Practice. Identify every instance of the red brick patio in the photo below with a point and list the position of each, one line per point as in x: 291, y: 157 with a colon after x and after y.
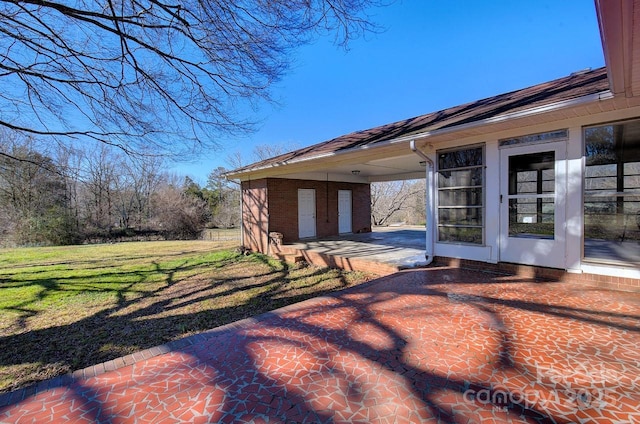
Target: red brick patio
x: 433, y: 345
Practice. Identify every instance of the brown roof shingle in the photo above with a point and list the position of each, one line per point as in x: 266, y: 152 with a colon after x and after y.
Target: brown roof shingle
x: 562, y: 89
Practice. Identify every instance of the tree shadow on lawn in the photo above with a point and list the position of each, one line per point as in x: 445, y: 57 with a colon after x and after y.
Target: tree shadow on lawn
x: 120, y: 282
x: 409, y: 347
x: 31, y: 273
x: 176, y: 309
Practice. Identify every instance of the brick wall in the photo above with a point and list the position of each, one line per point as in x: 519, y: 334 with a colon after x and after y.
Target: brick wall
x: 545, y: 274
x: 255, y: 216
x: 272, y: 205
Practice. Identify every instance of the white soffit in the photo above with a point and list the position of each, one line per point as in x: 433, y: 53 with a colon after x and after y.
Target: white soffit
x: 619, y: 22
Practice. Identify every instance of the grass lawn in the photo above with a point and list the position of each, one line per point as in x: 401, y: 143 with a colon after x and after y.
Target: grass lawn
x: 65, y: 308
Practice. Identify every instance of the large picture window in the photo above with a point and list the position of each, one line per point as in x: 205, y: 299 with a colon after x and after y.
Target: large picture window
x: 461, y: 195
x: 612, y: 192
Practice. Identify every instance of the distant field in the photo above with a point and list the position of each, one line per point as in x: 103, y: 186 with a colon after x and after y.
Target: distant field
x: 65, y: 308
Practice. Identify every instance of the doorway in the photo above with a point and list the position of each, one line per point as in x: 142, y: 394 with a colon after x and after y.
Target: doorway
x: 344, y: 212
x: 532, y: 204
x: 306, y: 213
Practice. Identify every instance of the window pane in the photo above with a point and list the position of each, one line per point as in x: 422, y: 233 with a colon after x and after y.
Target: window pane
x: 463, y: 178
x: 460, y: 216
x: 462, y: 196
x: 548, y: 181
x: 535, y: 138
x: 460, y: 235
x: 632, y: 177
x: 526, y: 182
x: 614, y: 218
x: 600, y: 177
x: 612, y: 192
x: 532, y: 217
x: 599, y: 145
x: 460, y: 158
x: 532, y: 173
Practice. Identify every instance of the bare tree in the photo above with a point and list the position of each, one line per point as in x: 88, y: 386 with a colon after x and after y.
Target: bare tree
x: 69, y: 161
x: 176, y: 214
x: 74, y: 195
x: 258, y: 153
x: 33, y: 196
x: 152, y: 76
x: 101, y: 170
x: 138, y: 179
x: 390, y: 198
x: 266, y: 151
x: 225, y: 200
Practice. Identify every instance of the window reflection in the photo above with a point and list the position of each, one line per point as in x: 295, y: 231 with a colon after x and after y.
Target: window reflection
x: 531, y: 189
x: 612, y: 192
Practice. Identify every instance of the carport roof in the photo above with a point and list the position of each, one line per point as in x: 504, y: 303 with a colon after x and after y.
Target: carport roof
x: 574, y: 86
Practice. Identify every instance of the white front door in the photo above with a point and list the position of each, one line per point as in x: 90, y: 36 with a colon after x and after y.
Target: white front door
x: 344, y: 211
x: 306, y: 213
x: 532, y: 204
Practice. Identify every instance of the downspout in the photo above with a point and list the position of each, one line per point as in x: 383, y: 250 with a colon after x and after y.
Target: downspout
x: 430, y: 207
x: 242, y: 245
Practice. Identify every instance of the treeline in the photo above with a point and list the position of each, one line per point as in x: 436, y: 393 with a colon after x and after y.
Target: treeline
x: 52, y: 195
x: 395, y: 202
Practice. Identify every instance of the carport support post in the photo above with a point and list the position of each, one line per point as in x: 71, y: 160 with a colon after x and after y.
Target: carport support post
x: 430, y: 207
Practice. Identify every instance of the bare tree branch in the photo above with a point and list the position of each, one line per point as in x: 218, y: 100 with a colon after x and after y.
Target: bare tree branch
x: 153, y: 75
x: 389, y: 198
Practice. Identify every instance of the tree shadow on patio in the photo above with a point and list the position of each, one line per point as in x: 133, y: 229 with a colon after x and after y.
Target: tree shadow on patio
x: 436, y: 344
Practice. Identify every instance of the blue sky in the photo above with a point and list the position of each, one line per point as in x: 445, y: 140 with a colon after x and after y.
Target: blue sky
x: 431, y: 55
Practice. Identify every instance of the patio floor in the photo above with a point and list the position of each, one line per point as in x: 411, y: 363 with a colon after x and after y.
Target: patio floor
x: 431, y: 345
x: 385, y: 250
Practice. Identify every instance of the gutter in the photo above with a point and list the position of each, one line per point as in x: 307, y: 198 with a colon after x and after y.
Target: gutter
x: 430, y: 206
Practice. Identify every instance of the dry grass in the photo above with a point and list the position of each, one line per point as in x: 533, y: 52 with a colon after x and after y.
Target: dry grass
x: 66, y: 308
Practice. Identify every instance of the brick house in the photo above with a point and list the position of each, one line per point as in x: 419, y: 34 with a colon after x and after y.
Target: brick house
x: 285, y: 206
x: 547, y: 176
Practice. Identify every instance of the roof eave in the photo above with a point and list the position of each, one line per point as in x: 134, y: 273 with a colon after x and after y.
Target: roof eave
x: 494, y: 120
x: 615, y: 20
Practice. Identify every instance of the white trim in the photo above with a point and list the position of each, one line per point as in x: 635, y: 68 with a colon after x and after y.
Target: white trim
x: 492, y: 199
x: 430, y: 206
x: 574, y: 205
x: 615, y: 21
x: 535, y: 251
x: 466, y: 251
x: 611, y: 270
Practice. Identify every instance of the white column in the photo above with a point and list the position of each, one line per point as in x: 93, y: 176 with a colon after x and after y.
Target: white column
x: 574, y: 207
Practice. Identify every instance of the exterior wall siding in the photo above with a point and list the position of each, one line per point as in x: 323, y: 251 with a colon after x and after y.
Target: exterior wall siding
x: 271, y: 205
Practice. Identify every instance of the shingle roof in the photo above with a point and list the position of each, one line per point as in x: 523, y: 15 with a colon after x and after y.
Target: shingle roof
x: 559, y: 90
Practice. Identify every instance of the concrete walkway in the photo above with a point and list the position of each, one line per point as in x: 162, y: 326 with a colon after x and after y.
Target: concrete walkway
x: 432, y: 345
